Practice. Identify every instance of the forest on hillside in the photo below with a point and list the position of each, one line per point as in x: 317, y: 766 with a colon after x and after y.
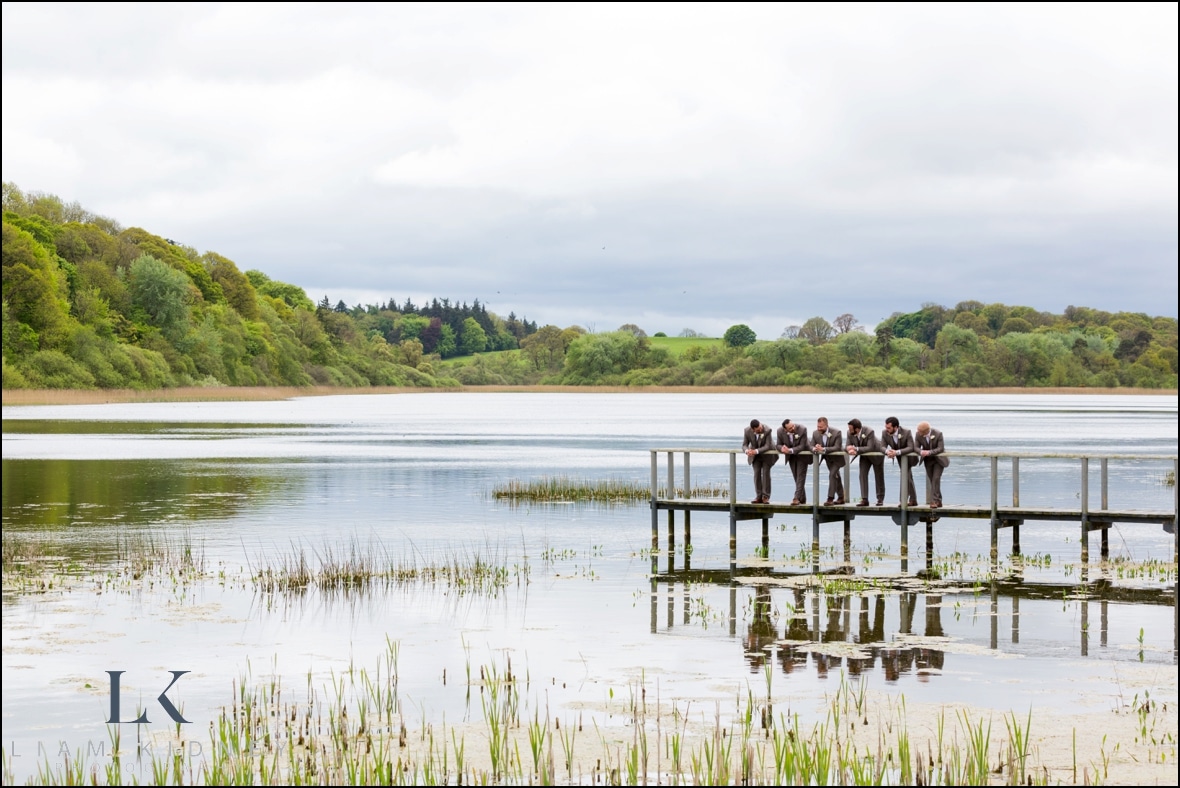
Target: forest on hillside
x: 90, y: 304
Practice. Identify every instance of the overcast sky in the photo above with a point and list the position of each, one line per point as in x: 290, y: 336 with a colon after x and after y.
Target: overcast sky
x: 671, y: 166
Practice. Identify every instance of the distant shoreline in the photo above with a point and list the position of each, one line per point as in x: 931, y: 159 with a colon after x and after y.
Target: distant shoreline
x: 15, y: 397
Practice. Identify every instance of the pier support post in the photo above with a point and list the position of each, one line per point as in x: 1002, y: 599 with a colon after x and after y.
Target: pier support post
x: 995, y: 518
x: 847, y: 541
x: 765, y: 537
x: 687, y: 512
x: 671, y: 494
x: 815, y: 516
x: 732, y: 511
x: 1105, y: 496
x: 906, y: 494
x: 1015, y: 482
x: 655, y: 512
x: 1085, y: 511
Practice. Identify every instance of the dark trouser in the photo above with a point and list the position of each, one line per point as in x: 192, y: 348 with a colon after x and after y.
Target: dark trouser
x: 878, y: 466
x: 798, y: 469
x: 908, y: 476
x: 762, y: 465
x: 933, y: 482
x: 835, y: 483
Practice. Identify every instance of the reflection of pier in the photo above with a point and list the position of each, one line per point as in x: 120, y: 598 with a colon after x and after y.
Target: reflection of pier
x: 1000, y: 516
x: 814, y: 621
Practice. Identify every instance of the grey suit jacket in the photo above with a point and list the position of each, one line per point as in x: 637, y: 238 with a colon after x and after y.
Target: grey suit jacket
x: 933, y: 442
x: 865, y: 441
x: 901, y: 441
x: 798, y: 446
x: 833, y: 445
x: 759, y: 443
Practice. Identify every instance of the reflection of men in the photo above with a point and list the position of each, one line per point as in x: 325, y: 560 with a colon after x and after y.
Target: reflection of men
x: 758, y: 446
x: 792, y: 442
x: 930, y: 449
x: 861, y: 441
x: 899, y: 442
x: 827, y: 443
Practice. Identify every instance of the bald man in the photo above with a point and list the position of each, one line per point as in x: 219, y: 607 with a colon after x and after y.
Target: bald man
x: 928, y: 442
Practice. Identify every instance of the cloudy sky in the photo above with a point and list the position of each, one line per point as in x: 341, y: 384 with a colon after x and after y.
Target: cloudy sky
x: 671, y: 166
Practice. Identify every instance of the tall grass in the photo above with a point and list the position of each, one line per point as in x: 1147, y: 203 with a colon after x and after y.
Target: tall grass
x: 562, y: 489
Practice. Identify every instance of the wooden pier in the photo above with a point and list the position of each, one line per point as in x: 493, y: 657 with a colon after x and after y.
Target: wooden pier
x: 1000, y: 516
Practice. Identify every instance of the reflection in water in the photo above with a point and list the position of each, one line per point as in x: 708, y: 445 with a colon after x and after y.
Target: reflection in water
x: 53, y: 495
x: 803, y: 639
x: 825, y: 632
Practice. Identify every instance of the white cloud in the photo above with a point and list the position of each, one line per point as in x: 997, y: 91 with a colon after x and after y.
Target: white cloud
x: 850, y: 154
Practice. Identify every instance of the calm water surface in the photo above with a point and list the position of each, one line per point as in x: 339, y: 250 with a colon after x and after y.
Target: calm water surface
x: 410, y: 477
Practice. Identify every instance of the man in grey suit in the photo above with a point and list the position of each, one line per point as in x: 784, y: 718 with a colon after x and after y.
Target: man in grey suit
x: 930, y: 449
x: 861, y: 441
x: 899, y: 442
x: 792, y: 443
x: 758, y: 444
x: 828, y: 443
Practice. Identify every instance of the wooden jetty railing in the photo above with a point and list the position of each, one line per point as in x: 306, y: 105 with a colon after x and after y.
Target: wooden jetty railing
x: 1099, y: 518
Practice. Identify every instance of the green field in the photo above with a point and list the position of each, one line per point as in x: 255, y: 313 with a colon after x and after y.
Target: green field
x: 677, y: 345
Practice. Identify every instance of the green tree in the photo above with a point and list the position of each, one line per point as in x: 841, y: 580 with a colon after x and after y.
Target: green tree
x: 162, y: 293
x: 473, y: 339
x: 544, y: 347
x: 740, y: 335
x: 34, y: 287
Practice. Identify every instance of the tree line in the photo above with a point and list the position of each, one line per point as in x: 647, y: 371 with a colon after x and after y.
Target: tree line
x: 88, y: 303
x: 970, y: 345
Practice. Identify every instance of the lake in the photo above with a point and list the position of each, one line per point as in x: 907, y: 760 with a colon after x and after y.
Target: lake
x: 212, y: 495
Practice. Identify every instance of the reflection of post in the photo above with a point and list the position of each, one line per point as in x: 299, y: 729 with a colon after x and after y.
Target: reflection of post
x: 864, y: 634
x: 906, y: 602
x: 879, y: 619
x: 655, y: 590
x: 732, y: 609
x: 930, y: 544
x: 995, y: 616
x: 1085, y: 628
x: 671, y: 603
x: 1015, y: 619
x: 687, y: 602
x: 933, y: 616
x: 815, y: 617
x: 1103, y: 612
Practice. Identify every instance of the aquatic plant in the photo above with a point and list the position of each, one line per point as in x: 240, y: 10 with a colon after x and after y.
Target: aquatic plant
x: 563, y: 489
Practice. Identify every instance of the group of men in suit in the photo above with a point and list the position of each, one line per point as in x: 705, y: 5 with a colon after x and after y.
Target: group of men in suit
x: 828, y: 445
